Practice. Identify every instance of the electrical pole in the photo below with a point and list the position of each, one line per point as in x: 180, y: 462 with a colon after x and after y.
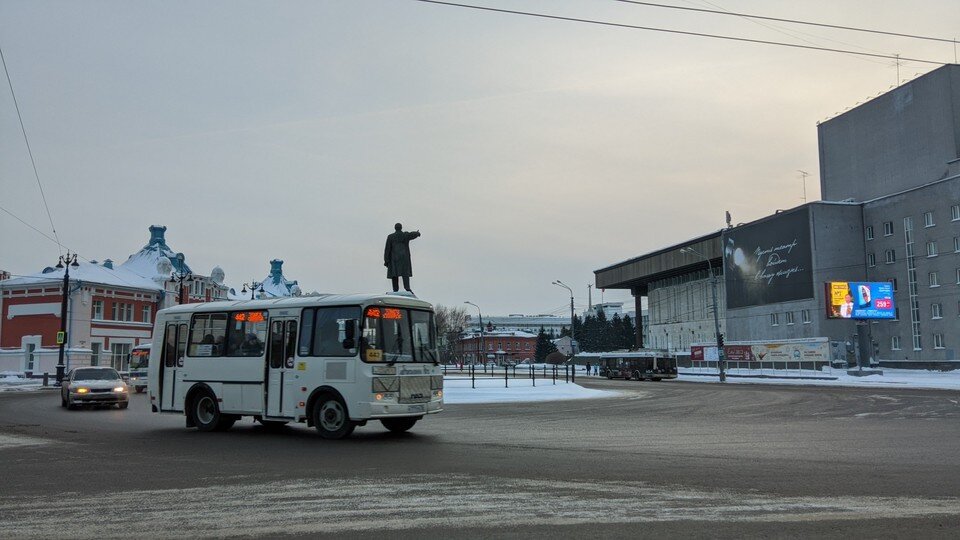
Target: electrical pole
x: 804, y: 176
x: 716, y: 315
x: 573, y: 331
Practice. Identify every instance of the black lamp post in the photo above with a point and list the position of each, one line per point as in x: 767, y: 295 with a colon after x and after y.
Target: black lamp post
x: 573, y: 332
x: 179, y: 275
x: 253, y: 288
x: 482, y: 350
x: 66, y: 261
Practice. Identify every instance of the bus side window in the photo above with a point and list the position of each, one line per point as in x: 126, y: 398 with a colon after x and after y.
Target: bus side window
x: 291, y: 345
x: 170, y: 346
x: 306, y: 334
x: 181, y: 344
x: 276, y: 344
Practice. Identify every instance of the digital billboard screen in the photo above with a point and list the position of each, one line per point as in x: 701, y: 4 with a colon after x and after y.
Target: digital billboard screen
x: 860, y: 300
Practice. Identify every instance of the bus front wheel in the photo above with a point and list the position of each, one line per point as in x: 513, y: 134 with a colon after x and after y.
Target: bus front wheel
x: 331, y: 419
x: 399, y: 425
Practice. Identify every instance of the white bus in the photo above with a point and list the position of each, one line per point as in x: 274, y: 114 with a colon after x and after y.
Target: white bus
x: 139, y: 365
x: 332, y: 361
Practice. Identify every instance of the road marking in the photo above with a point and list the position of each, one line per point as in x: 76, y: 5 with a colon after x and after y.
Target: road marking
x: 421, y: 501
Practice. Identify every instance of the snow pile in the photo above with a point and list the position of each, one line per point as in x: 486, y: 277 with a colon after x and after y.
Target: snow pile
x: 891, y: 378
x: 457, y: 390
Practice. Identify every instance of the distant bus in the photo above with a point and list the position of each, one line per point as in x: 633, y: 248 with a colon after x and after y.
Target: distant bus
x: 139, y: 366
x: 331, y: 361
x: 638, y: 366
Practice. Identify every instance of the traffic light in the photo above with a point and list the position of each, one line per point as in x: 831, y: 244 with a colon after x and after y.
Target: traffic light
x: 719, y: 340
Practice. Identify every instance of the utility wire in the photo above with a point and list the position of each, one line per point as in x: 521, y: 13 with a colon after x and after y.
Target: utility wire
x: 30, y: 151
x: 791, y: 21
x: 681, y: 32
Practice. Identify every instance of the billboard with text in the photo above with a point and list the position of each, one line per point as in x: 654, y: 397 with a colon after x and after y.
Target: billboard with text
x: 860, y: 300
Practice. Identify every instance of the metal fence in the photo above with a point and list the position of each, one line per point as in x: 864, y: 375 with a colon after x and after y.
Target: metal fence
x: 546, y: 374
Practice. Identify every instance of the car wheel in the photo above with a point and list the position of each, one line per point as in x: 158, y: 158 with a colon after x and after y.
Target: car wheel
x: 399, y: 425
x: 331, y: 419
x: 63, y: 400
x: 140, y: 389
x: 71, y: 406
x: 123, y: 405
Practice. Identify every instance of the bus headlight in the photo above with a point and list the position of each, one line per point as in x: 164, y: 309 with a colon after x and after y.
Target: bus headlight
x: 438, y: 394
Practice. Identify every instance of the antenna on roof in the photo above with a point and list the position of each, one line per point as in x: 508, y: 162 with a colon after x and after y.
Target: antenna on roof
x: 804, y: 176
x: 729, y: 220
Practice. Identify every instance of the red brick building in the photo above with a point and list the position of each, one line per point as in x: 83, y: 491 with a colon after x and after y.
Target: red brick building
x: 109, y: 310
x: 501, y: 347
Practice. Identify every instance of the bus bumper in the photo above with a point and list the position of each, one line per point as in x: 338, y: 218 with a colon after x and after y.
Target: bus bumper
x: 367, y: 409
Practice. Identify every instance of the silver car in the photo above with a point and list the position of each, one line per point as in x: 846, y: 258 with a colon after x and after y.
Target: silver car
x: 94, y: 386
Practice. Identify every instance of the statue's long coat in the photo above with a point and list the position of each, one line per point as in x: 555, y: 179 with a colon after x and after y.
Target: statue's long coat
x: 396, y: 255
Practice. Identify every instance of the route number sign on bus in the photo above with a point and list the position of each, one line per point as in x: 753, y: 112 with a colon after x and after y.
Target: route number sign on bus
x: 860, y: 300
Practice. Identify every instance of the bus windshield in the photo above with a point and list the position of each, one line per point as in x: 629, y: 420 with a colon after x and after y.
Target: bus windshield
x: 398, y: 335
x: 140, y: 359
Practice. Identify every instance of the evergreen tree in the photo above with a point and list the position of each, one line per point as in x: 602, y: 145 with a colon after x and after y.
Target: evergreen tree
x: 628, y: 333
x: 544, y: 346
x: 615, y: 337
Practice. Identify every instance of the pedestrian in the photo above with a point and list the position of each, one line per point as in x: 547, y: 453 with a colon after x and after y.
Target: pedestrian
x: 588, y: 368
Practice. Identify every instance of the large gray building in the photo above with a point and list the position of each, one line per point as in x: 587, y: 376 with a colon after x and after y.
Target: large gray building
x: 890, y: 178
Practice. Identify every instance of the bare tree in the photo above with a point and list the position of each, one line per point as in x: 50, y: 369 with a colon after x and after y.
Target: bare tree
x: 450, y: 324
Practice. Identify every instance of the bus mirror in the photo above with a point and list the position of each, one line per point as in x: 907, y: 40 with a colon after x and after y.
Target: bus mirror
x: 350, y: 334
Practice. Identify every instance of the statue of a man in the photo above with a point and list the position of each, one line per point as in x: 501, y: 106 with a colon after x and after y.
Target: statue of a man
x: 396, y: 257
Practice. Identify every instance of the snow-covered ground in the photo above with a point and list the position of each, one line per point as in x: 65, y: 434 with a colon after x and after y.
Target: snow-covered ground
x: 891, y: 378
x: 14, y: 382
x: 457, y: 390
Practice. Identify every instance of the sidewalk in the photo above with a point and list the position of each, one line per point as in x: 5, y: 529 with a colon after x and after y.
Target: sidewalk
x: 891, y: 378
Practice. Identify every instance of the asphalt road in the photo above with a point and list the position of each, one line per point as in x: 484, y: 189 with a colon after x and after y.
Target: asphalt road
x: 661, y: 459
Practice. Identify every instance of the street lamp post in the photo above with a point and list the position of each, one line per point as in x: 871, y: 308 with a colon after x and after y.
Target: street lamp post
x: 482, y: 350
x: 716, y: 315
x: 66, y: 261
x: 253, y: 288
x: 179, y: 275
x: 573, y: 332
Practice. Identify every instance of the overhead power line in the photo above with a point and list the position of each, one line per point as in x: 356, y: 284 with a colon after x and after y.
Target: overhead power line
x: 680, y: 32
x: 30, y: 151
x: 792, y: 21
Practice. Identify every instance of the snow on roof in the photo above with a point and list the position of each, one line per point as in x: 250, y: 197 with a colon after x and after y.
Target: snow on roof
x: 275, y: 285
x: 151, y: 261
x: 87, y: 273
x: 501, y: 333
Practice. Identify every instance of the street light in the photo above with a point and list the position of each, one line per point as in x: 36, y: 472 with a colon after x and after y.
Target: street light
x: 66, y: 261
x: 482, y: 350
x: 253, y: 288
x: 573, y: 332
x: 716, y: 316
x: 179, y: 275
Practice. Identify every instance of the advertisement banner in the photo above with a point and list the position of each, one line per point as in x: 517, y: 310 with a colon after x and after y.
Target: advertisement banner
x: 768, y: 262
x: 792, y: 352
x: 739, y: 353
x: 860, y: 300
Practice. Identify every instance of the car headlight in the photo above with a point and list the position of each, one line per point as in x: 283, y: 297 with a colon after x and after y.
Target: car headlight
x: 120, y: 389
x: 82, y: 390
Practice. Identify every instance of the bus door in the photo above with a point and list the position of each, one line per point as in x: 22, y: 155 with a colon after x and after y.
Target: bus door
x: 280, y: 369
x: 174, y: 349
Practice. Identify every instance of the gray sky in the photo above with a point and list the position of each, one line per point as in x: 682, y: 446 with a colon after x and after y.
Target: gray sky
x: 525, y: 150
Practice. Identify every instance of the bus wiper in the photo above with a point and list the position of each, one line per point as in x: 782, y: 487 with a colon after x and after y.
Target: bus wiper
x: 398, y: 352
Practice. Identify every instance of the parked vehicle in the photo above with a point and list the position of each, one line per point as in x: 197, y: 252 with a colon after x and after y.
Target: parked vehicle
x: 94, y: 386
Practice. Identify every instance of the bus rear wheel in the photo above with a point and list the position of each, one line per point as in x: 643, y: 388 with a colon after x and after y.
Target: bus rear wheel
x: 331, y: 419
x: 207, y: 416
x: 399, y: 425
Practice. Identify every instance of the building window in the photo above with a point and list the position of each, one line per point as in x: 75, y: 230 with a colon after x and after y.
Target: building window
x: 934, y: 279
x: 958, y: 276
x: 97, y: 312
x: 890, y: 256
x: 871, y: 259
x: 774, y: 319
x: 789, y: 317
x: 122, y: 311
x: 896, y: 314
x: 869, y: 232
x: 119, y: 356
x: 805, y: 316
x: 888, y: 228
x: 894, y: 281
x: 936, y: 311
x: 938, y: 341
x: 931, y: 249
x: 95, y: 353
x: 895, y: 343
x: 956, y: 244
x: 146, y: 313
x: 928, y: 219
x: 955, y: 212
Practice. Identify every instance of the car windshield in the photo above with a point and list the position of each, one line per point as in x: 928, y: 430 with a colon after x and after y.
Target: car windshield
x: 96, y: 375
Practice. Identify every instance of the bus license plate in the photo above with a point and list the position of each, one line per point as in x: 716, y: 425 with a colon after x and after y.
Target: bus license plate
x: 415, y: 408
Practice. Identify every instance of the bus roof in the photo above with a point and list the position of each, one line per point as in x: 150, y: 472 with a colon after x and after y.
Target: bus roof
x: 391, y: 299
